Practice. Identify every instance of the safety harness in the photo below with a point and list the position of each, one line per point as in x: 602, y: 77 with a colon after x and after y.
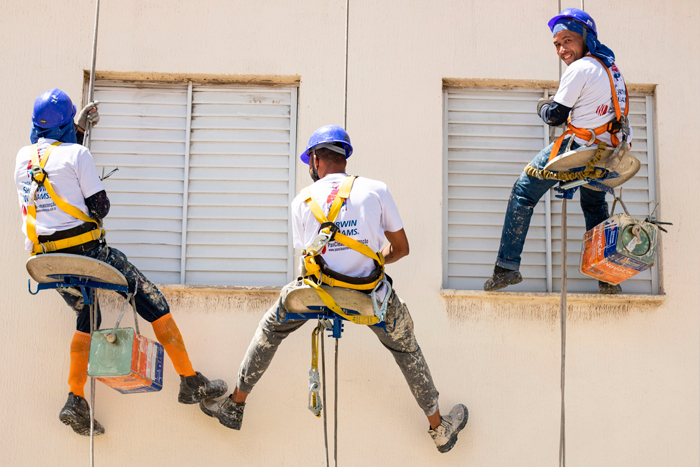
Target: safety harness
x: 613, y: 127
x: 41, y: 178
x: 318, y: 272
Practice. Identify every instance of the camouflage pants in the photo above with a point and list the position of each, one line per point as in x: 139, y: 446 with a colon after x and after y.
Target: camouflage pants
x: 398, y: 338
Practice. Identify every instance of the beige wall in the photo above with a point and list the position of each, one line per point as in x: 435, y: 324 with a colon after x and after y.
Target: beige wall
x: 632, y: 379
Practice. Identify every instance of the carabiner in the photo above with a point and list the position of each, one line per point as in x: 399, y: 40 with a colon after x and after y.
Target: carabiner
x: 318, y: 244
x: 380, y: 312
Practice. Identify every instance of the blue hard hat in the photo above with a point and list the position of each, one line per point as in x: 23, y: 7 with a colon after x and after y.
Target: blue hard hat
x: 328, y: 134
x: 576, y: 14
x: 53, y: 108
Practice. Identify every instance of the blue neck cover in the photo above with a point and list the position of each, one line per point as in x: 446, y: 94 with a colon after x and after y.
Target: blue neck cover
x: 595, y: 48
x: 64, y: 134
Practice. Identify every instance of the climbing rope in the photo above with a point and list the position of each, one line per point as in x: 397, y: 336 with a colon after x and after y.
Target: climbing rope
x: 347, y: 27
x: 335, y: 408
x: 589, y: 172
x: 93, y: 295
x: 93, y: 322
x: 562, y: 426
x: 562, y: 439
x: 325, y: 420
x: 91, y: 86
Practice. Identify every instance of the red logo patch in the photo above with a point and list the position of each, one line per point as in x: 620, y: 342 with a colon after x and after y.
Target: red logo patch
x: 602, y: 110
x: 333, y: 194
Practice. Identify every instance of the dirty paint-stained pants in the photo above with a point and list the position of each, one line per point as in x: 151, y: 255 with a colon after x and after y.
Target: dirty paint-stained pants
x: 399, y: 339
x: 526, y: 192
x: 150, y: 302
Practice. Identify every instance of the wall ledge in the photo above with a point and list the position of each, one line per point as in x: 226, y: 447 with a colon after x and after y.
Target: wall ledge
x: 218, y: 289
x: 554, y: 297
x: 644, y: 88
x: 138, y: 77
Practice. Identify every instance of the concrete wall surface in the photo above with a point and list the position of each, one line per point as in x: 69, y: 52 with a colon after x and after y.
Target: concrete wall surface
x: 632, y: 365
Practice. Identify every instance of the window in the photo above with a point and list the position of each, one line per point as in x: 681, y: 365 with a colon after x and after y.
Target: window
x: 205, y: 180
x: 489, y: 137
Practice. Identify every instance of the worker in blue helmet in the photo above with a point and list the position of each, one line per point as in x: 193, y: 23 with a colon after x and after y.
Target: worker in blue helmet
x: 592, y: 97
x: 359, y: 214
x: 52, y: 118
x: 72, y: 223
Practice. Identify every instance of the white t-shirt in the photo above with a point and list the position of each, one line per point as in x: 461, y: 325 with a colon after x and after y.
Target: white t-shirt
x: 368, y: 213
x: 73, y: 176
x: 585, y: 87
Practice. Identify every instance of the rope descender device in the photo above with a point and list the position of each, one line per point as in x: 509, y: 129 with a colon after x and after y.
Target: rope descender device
x: 315, y: 405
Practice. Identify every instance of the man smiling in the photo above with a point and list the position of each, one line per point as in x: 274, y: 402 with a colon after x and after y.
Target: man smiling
x: 585, y: 97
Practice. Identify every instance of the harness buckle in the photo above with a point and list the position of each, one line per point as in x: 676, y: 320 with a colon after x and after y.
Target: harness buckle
x: 332, y: 226
x: 38, y: 175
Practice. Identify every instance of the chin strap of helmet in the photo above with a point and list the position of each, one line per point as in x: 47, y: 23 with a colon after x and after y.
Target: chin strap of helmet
x: 312, y: 162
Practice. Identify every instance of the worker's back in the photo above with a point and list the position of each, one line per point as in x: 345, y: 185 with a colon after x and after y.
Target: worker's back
x: 72, y: 173
x: 368, y: 213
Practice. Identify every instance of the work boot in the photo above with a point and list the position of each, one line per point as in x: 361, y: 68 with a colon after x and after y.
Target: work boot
x: 608, y: 289
x: 502, y: 278
x: 445, y: 435
x: 76, y: 414
x: 229, y: 413
x: 197, y: 387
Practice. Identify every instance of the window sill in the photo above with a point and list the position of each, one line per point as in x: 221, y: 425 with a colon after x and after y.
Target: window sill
x: 219, y: 289
x: 554, y: 297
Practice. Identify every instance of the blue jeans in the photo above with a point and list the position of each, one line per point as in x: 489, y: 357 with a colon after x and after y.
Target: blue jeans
x: 150, y: 302
x: 527, y: 191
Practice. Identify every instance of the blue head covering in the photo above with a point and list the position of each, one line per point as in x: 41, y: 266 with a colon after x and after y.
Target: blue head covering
x: 595, y: 48
x: 64, y: 134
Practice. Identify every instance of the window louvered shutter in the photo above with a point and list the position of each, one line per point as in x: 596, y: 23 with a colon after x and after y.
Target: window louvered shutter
x: 142, y: 131
x: 491, y: 136
x: 240, y: 186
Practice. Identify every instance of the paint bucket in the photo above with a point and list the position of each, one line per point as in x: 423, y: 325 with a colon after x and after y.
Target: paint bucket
x: 618, y: 248
x: 126, y: 361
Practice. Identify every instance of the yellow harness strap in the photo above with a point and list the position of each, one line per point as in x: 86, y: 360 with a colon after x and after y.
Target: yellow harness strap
x: 343, y: 194
x: 42, y: 178
x: 313, y: 269
x: 48, y: 247
x: 332, y: 305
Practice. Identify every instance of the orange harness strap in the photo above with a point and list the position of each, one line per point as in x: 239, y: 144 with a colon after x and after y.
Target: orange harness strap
x: 586, y: 134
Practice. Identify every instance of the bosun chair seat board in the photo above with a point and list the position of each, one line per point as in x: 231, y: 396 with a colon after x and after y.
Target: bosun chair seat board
x: 622, y: 167
x: 305, y: 299
x: 48, y: 268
